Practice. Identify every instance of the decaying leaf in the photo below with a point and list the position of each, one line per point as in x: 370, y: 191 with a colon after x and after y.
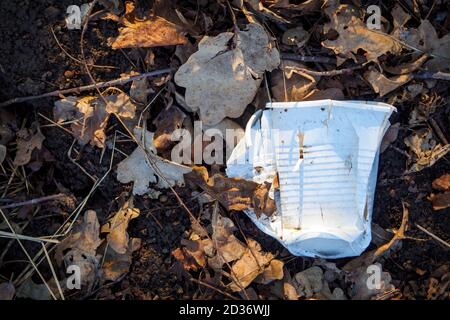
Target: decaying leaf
x: 441, y: 200
x: 234, y: 193
x: 192, y: 253
x: 117, y: 264
x: 383, y: 85
x: 253, y: 263
x: 140, y: 167
x: 354, y: 35
x: 166, y: 123
x: 295, y: 37
x: 27, y: 141
x: 360, y: 289
x: 79, y: 249
x: 140, y: 90
x: 425, y: 150
x: 228, y: 247
x: 90, y: 115
x: 221, y: 81
x: 310, y: 281
x: 116, y: 227
x: 7, y: 291
x: 390, y: 136
x: 151, y: 32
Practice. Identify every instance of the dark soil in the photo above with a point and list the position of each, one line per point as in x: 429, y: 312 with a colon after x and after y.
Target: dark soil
x: 31, y: 63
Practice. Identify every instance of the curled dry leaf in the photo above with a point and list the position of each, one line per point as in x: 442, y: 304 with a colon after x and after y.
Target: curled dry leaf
x: 7, y: 291
x: 220, y: 82
x: 390, y: 136
x: 234, y: 193
x: 354, y: 35
x: 441, y: 200
x: 425, y: 150
x: 383, y: 85
x: 90, y: 115
x: 116, y: 227
x: 137, y: 33
x: 80, y: 247
x: 117, y: 264
x: 253, y: 263
x: 27, y: 141
x: 140, y: 167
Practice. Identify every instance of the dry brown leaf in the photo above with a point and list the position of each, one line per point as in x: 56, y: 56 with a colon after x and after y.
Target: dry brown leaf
x: 234, y: 193
x: 116, y: 264
x: 228, y: 247
x: 425, y: 150
x: 166, y: 123
x: 252, y: 263
x: 7, y: 291
x: 140, y: 90
x: 27, y: 141
x: 116, y: 227
x: 295, y: 37
x: 137, y: 33
x: 440, y: 201
x: 274, y: 271
x: 220, y: 82
x: 136, y: 168
x: 354, y: 35
x: 442, y: 183
x: 304, y: 7
x: 80, y: 247
x: 390, y: 136
x: 90, y: 115
x: 192, y: 255
x: 383, y: 85
x: 330, y: 93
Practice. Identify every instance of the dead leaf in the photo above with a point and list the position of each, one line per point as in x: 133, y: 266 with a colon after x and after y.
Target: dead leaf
x: 272, y: 272
x: 80, y: 247
x: 442, y: 183
x: 7, y: 291
x: 252, y: 263
x: 31, y: 290
x: 309, y: 281
x: 166, y: 123
x: 90, y: 115
x: 360, y: 289
x: 137, y: 167
x: 220, y: 82
x: 138, y: 33
x: 354, y: 35
x: 295, y: 37
x: 140, y: 90
x: 234, y: 193
x: 383, y: 85
x: 192, y: 255
x: 228, y: 247
x: 390, y: 136
x: 425, y: 150
x: 117, y: 264
x: 440, y: 201
x: 117, y: 226
x: 27, y: 141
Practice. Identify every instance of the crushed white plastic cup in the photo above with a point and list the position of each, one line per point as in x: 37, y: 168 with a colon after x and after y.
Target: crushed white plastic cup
x: 326, y: 156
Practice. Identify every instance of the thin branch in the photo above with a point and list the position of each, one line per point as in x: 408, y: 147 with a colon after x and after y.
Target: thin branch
x: 33, y: 201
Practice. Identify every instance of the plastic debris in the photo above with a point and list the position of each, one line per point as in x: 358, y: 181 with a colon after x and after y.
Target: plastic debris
x: 325, y: 156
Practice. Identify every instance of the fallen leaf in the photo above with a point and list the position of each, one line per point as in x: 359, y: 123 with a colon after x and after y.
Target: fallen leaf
x: 7, y: 291
x: 390, y: 136
x: 274, y: 271
x: 295, y: 37
x: 166, y: 123
x: 383, y: 85
x: 116, y: 227
x: 27, y: 141
x: 234, y: 193
x: 309, y: 281
x: 117, y: 264
x: 252, y: 263
x: 79, y: 249
x: 31, y: 290
x: 354, y: 35
x: 140, y: 90
x: 360, y: 289
x: 220, y: 82
x: 442, y: 183
x: 425, y: 150
x: 228, y: 247
x: 440, y: 201
x: 140, y: 167
x: 192, y: 255
x: 138, y: 33
x: 90, y: 115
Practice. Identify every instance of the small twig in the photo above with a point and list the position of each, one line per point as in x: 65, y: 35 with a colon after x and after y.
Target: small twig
x: 438, y: 131
x: 116, y: 82
x: 330, y: 73
x: 33, y: 201
x: 213, y: 288
x: 298, y: 57
x: 435, y: 237
x: 432, y: 75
